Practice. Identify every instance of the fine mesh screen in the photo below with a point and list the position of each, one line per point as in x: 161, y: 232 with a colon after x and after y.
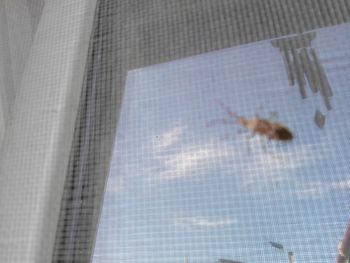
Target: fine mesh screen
x: 120, y: 139
x: 185, y: 185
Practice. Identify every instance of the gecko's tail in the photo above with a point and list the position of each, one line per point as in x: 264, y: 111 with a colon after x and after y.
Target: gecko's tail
x: 227, y: 109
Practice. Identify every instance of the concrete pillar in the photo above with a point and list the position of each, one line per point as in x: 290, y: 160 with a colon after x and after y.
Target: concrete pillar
x: 37, y: 141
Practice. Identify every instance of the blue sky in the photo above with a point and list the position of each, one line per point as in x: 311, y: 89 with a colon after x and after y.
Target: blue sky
x: 178, y: 189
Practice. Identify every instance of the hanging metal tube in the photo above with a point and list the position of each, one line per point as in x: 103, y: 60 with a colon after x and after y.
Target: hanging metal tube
x: 291, y: 257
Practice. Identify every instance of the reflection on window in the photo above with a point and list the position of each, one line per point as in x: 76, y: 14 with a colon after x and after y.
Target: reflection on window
x: 181, y: 190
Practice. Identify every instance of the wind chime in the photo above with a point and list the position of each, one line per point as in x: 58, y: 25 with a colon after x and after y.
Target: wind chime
x: 304, y: 69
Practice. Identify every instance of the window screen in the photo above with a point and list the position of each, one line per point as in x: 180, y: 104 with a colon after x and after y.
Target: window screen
x: 210, y: 131
x: 193, y: 180
x: 190, y: 131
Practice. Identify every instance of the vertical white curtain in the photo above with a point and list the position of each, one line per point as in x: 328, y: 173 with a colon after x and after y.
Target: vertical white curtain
x: 18, y: 23
x: 37, y: 141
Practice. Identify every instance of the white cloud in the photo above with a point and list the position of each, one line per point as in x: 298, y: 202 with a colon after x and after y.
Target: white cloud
x: 203, y: 221
x: 190, y: 160
x: 341, y: 185
x: 318, y: 189
x: 276, y: 165
x: 168, y: 138
x: 256, y: 162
